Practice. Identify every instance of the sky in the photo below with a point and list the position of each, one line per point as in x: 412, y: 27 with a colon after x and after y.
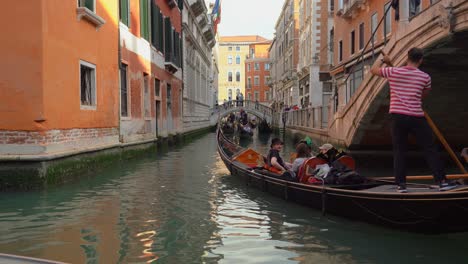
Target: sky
x: 249, y: 17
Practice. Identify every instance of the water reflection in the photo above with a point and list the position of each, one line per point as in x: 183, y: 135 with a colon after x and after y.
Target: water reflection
x: 184, y: 207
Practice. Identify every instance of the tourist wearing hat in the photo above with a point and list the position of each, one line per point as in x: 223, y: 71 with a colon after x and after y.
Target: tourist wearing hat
x: 329, y: 153
x: 275, y: 162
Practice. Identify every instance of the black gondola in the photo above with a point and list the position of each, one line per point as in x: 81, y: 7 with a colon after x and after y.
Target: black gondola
x: 423, y: 209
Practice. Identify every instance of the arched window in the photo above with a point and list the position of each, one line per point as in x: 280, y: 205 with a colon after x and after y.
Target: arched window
x: 237, y: 59
x: 229, y: 94
x: 229, y: 76
x: 237, y: 76
x: 229, y: 59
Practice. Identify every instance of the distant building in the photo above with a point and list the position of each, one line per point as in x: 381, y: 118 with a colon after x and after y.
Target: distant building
x: 199, y: 71
x: 257, y: 73
x: 232, y: 52
x: 284, y: 55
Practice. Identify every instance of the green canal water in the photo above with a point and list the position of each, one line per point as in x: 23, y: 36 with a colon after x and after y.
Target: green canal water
x: 182, y: 206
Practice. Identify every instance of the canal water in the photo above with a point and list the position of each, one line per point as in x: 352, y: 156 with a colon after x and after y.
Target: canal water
x: 182, y: 206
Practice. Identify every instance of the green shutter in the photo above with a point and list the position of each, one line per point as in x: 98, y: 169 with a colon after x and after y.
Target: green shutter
x: 160, y: 32
x: 144, y: 21
x: 124, y: 11
x: 90, y: 5
x: 167, y: 38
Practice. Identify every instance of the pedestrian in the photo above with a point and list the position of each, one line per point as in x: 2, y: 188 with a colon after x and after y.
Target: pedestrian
x: 256, y: 104
x: 241, y: 98
x: 408, y: 84
x: 237, y: 99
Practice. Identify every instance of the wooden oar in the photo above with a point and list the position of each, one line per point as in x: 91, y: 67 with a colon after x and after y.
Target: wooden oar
x: 444, y: 142
x: 425, y: 177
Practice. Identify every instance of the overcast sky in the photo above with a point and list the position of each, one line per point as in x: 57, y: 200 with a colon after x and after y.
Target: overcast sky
x: 249, y: 17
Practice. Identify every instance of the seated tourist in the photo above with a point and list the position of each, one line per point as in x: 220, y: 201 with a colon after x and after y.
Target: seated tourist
x: 303, y: 153
x: 329, y: 153
x: 274, y: 161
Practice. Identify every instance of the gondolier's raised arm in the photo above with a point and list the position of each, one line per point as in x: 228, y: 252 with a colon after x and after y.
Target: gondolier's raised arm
x: 377, y: 70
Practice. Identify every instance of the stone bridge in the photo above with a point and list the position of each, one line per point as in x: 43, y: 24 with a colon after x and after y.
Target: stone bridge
x: 442, y: 31
x: 258, y: 110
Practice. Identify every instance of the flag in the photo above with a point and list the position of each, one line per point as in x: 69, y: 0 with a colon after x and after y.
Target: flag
x: 216, y: 14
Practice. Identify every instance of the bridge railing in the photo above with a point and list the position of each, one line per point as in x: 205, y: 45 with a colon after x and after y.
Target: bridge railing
x: 238, y: 104
x: 312, y: 117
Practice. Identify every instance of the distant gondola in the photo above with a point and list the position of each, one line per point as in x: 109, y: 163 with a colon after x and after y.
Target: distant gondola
x: 424, y: 209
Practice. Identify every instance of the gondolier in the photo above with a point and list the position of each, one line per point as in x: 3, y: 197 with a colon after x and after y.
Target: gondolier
x: 408, y: 84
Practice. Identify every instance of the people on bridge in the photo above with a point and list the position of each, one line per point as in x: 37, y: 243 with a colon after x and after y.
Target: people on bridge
x: 274, y: 161
x: 408, y: 85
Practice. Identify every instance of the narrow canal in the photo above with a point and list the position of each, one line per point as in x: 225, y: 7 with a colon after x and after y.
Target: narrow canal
x: 182, y: 206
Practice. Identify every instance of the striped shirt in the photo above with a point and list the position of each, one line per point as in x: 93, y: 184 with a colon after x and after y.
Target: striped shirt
x: 406, y: 87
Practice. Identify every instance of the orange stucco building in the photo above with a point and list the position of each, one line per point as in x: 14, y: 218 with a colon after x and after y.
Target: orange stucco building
x: 257, y: 73
x: 354, y: 23
x: 94, y: 75
x: 59, y: 84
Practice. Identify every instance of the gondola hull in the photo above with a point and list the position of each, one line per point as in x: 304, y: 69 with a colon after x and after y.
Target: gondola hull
x: 426, y: 212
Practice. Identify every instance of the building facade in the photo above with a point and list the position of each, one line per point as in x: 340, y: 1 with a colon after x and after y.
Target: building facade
x: 257, y: 73
x: 314, y: 23
x: 199, y: 71
x: 286, y: 54
x: 232, y: 52
x: 151, y: 72
x: 60, y: 86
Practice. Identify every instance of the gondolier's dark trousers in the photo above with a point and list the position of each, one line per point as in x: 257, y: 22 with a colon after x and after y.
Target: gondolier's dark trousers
x: 402, y: 126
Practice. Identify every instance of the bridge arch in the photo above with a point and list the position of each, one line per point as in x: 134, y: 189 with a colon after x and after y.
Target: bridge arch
x: 442, y: 31
x: 258, y: 110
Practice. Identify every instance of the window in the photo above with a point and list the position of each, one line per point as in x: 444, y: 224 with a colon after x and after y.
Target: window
x: 388, y: 19
x: 124, y: 12
x: 157, y: 87
x: 267, y: 96
x: 248, y: 67
x: 229, y: 76
x: 144, y: 19
x: 249, y: 82
x: 157, y: 27
x: 169, y: 96
x: 229, y: 59
x: 257, y: 66
x: 340, y: 50
x: 229, y: 94
x: 267, y: 79
x: 230, y: 48
x: 237, y: 59
x: 237, y: 48
x: 256, y: 81
x: 252, y: 53
x: 352, y: 42
x: 256, y: 96
x: 237, y: 76
x: 123, y: 91
x: 361, y: 36
x: 267, y: 66
x: 87, y: 84
x: 146, y: 95
x: 374, y: 27
x: 414, y: 7
x: 90, y: 4
x: 249, y: 96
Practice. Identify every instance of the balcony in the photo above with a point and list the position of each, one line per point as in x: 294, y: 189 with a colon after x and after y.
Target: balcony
x: 351, y: 8
x: 208, y: 33
x: 197, y: 6
x: 171, y: 62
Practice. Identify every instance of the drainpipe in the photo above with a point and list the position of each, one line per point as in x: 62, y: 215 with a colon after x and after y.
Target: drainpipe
x: 119, y: 63
x: 182, y: 68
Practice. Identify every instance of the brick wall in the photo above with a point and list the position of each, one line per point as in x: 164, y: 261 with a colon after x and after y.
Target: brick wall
x: 54, y: 136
